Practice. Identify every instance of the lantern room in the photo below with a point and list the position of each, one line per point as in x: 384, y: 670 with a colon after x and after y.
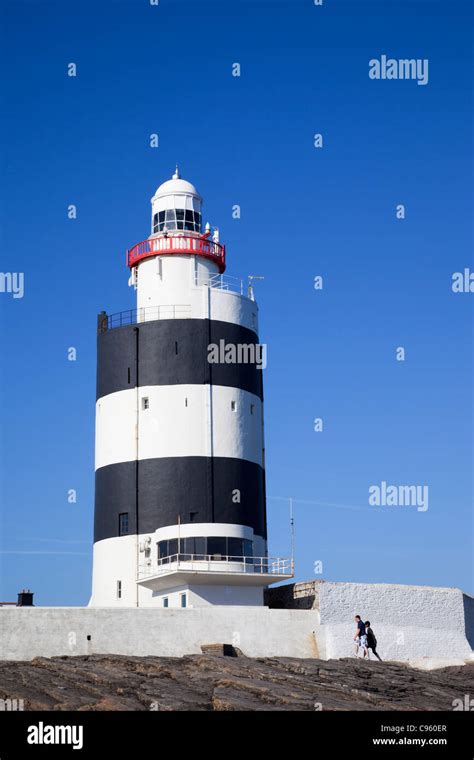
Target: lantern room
x: 176, y: 205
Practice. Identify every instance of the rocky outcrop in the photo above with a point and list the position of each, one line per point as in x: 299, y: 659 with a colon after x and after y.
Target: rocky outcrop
x: 212, y: 682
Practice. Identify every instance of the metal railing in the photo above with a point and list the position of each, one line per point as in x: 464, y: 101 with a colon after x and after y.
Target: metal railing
x: 146, y: 314
x: 218, y: 562
x: 222, y: 282
x: 179, y: 244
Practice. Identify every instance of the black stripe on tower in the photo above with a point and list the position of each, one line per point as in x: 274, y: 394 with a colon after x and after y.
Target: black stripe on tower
x: 172, y: 352
x: 172, y: 487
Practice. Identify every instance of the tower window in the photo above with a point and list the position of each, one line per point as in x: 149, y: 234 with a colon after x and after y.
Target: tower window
x: 189, y: 220
x: 145, y: 402
x: 252, y: 408
x: 183, y: 600
x: 166, y: 601
x: 233, y: 406
x: 186, y: 401
x: 177, y: 219
x: 123, y: 524
x: 176, y: 346
x: 119, y: 589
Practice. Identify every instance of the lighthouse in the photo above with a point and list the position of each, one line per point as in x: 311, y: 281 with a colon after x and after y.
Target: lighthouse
x: 180, y: 512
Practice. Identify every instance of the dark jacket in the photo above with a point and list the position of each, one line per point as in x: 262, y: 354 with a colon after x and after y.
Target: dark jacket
x: 371, y: 640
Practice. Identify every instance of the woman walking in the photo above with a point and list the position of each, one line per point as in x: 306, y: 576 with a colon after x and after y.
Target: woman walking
x: 371, y: 641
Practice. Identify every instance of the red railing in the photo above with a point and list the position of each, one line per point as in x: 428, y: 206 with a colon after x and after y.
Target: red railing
x: 182, y: 244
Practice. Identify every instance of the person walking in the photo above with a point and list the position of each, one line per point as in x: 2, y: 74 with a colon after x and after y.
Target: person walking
x: 371, y: 641
x: 360, y: 638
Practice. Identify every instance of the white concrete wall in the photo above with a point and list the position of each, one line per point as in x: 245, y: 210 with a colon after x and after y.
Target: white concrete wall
x: 49, y: 632
x: 409, y: 622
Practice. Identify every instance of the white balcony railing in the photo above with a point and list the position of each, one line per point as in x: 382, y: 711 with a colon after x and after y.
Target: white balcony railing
x: 222, y: 282
x: 219, y: 563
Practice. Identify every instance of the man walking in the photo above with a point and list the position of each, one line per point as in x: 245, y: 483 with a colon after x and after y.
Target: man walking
x: 359, y: 636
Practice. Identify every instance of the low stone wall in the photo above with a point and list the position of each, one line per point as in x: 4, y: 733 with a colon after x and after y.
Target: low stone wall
x: 412, y: 623
x: 28, y: 632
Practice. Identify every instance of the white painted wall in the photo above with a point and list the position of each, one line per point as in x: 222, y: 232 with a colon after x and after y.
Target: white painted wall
x: 49, y: 632
x: 171, y: 280
x: 116, y: 559
x: 408, y: 621
x: 405, y: 619
x: 176, y: 424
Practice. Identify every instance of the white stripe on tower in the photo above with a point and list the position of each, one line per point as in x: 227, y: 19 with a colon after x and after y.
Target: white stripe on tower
x: 172, y: 423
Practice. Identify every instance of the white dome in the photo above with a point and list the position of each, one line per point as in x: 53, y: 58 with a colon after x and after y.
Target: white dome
x: 176, y: 186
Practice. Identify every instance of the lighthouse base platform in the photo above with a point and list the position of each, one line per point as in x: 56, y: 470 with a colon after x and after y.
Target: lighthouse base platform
x: 427, y: 626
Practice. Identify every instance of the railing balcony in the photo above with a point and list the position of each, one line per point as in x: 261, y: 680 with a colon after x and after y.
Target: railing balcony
x: 144, y: 314
x: 178, y: 244
x: 222, y: 282
x: 219, y: 563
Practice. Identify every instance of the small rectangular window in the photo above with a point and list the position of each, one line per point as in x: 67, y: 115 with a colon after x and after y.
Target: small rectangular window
x: 233, y: 406
x: 186, y: 401
x: 145, y: 402
x: 119, y: 589
x: 176, y: 346
x: 183, y: 600
x: 252, y: 408
x: 165, y: 601
x: 123, y: 524
x: 129, y: 375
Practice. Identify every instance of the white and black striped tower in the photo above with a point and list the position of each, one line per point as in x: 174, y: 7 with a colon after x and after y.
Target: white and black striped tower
x: 180, y: 516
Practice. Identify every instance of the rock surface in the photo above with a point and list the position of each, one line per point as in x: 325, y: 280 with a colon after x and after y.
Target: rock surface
x: 211, y: 682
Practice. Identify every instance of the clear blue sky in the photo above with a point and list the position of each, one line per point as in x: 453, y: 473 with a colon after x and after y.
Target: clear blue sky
x: 305, y: 212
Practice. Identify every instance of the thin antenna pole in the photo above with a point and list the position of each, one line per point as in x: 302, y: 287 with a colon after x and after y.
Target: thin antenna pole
x: 292, y: 525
